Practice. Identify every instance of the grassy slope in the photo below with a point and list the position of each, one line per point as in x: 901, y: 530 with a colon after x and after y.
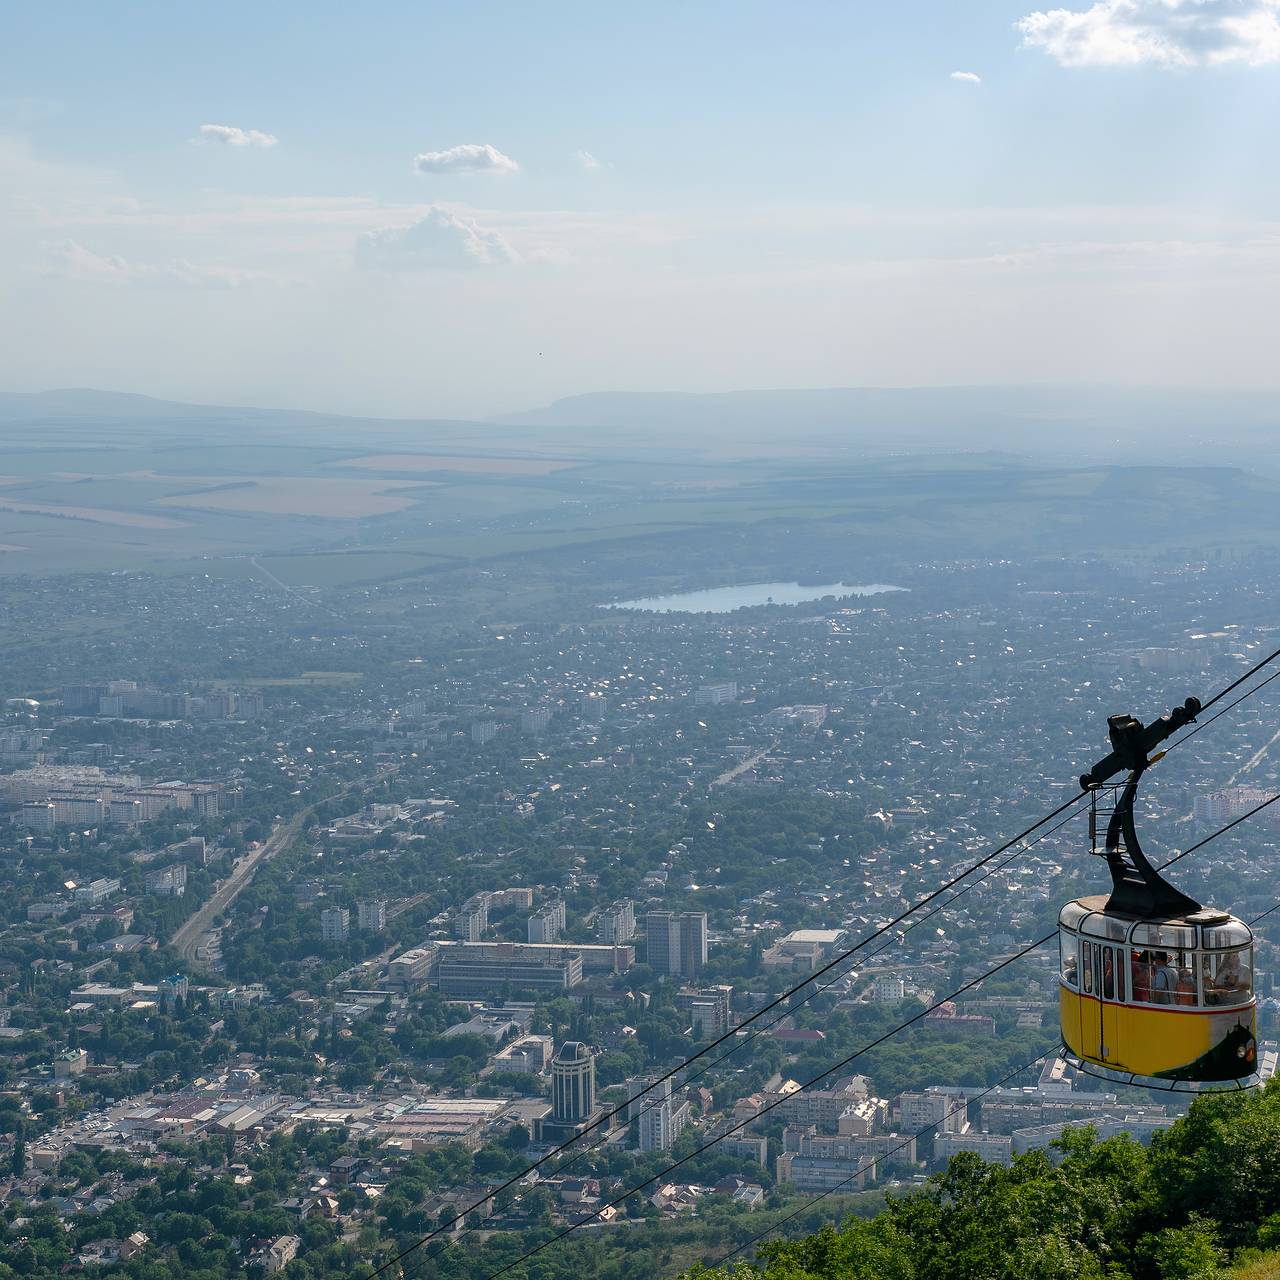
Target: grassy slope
x: 1266, y: 1267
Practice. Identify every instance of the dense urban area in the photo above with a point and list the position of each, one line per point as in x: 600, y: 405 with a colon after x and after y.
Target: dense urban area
x: 330, y: 911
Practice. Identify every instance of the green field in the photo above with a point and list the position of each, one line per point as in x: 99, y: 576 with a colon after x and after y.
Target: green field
x: 114, y: 500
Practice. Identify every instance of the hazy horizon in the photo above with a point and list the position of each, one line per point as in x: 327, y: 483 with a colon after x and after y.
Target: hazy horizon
x: 414, y: 217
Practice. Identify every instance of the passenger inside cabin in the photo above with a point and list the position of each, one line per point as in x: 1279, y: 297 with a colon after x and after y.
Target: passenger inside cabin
x: 1140, y: 965
x: 1186, y: 992
x: 1227, y: 985
x: 1164, y: 979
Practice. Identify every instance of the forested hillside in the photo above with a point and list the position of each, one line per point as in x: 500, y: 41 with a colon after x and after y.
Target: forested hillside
x: 1203, y: 1201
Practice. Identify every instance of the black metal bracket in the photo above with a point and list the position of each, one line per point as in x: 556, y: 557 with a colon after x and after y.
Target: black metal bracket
x: 1131, y: 741
x: 1137, y: 888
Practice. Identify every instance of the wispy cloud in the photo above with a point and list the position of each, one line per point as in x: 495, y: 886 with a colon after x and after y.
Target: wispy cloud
x: 71, y: 260
x: 587, y: 160
x: 441, y: 239
x: 1169, y: 33
x: 229, y: 136
x: 469, y: 157
x: 967, y: 77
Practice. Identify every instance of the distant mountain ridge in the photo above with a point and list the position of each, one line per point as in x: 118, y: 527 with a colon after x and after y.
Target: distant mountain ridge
x: 934, y: 417
x: 86, y: 402
x: 1067, y: 424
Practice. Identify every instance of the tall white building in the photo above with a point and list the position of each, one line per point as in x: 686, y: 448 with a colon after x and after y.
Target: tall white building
x: 547, y: 923
x: 593, y: 707
x: 473, y: 918
x: 656, y: 1128
x: 372, y: 915
x: 676, y: 942
x: 617, y: 923
x: 335, y: 924
x: 573, y: 1083
x: 535, y: 720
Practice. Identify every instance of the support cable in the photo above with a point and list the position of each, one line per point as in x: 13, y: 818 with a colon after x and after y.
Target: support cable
x: 841, y: 1064
x: 398, y: 1258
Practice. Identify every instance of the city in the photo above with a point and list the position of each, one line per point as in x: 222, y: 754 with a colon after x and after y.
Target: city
x: 363, y: 950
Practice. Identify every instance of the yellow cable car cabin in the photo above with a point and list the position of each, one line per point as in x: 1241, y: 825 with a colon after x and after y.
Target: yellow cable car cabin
x: 1171, y: 999
x: 1151, y: 984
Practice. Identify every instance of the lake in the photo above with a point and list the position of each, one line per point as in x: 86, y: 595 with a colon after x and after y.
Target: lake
x: 726, y: 599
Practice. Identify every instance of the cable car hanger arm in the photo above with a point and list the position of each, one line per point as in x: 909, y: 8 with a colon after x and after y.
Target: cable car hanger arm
x: 1131, y: 741
x: 1137, y: 888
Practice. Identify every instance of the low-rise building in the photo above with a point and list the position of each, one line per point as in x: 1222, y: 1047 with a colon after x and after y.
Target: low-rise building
x: 69, y: 1064
x: 412, y: 970
x: 994, y: 1147
x: 526, y: 1055
x: 804, y: 950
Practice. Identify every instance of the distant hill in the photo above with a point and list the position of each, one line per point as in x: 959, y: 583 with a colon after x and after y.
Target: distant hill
x: 87, y: 403
x: 84, y: 406
x: 1063, y: 424
x: 1060, y: 420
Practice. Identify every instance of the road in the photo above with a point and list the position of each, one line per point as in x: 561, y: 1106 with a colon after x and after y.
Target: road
x: 749, y: 763
x: 1254, y: 760
x: 188, y: 935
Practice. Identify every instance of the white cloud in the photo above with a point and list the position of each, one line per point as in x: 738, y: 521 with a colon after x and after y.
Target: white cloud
x: 441, y: 239
x: 71, y: 260
x: 587, y: 160
x: 1169, y: 33
x: 229, y: 136
x: 967, y: 77
x: 469, y: 157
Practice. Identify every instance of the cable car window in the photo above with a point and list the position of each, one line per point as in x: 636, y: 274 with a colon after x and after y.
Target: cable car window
x: 1140, y: 975
x: 1233, y: 934
x: 1071, y: 915
x: 1119, y: 968
x: 1227, y: 977
x: 1108, y: 973
x: 1086, y: 967
x: 1068, y: 946
x: 1167, y: 937
x: 1185, y: 992
x: 1104, y: 926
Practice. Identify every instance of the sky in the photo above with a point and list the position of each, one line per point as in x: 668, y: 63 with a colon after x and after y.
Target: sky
x: 436, y: 209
